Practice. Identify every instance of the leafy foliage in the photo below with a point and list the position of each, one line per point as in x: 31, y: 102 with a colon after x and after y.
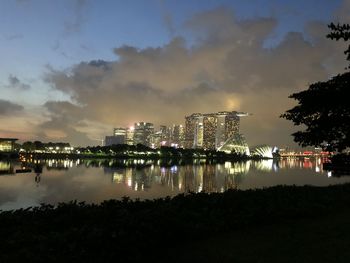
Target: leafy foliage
x: 324, y: 108
x: 340, y: 32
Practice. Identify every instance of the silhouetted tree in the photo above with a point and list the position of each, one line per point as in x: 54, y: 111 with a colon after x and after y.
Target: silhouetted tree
x: 324, y: 108
x: 28, y: 146
x: 340, y: 32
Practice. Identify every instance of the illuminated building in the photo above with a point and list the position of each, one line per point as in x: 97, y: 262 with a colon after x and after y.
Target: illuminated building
x: 198, y: 133
x: 7, y: 144
x: 211, y: 130
x: 190, y: 128
x: 142, y: 133
x: 172, y: 136
x: 129, y: 136
x: 156, y: 140
x: 119, y: 132
x: 227, y: 126
x: 220, y: 136
x: 164, y: 135
x: 178, y: 134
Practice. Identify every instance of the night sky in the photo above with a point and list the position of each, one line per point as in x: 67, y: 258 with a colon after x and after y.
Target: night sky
x: 72, y: 70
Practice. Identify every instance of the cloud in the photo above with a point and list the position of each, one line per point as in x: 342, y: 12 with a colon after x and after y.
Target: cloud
x: 14, y: 82
x: 74, y: 25
x: 7, y: 107
x: 227, y: 68
x: 63, y: 123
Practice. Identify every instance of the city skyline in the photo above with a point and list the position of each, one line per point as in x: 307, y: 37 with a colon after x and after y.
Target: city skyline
x: 74, y: 70
x: 200, y: 131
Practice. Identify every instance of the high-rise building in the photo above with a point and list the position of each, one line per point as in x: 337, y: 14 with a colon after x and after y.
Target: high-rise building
x: 129, y: 137
x: 181, y: 136
x: 164, y: 135
x: 198, y: 133
x: 119, y: 132
x: 231, y: 124
x: 191, y: 129
x: 220, y: 136
x: 228, y: 126
x: 178, y: 133
x: 211, y: 130
x: 142, y: 133
x: 119, y: 137
x: 156, y: 140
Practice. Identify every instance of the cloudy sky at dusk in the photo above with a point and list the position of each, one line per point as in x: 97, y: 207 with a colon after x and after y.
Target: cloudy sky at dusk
x: 72, y: 70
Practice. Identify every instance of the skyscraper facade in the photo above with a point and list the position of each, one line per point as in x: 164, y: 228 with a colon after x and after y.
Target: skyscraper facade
x: 211, y: 130
x: 143, y: 132
x: 119, y: 137
x: 129, y: 137
x: 191, y: 126
x: 177, y: 139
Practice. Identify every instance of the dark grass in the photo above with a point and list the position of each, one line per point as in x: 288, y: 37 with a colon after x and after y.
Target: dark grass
x: 278, y: 224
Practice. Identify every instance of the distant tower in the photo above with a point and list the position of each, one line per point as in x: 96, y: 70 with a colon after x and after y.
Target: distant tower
x: 209, y: 130
x: 129, y: 137
x: 192, y: 130
x: 178, y: 135
x: 143, y: 132
x: 119, y: 136
x: 164, y: 136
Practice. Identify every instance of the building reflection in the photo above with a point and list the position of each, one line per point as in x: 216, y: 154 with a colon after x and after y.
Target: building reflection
x: 200, y: 176
x: 55, y: 164
x: 6, y: 167
x: 181, y: 178
x: 303, y: 163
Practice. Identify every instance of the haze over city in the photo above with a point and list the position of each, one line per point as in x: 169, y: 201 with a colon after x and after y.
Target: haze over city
x: 73, y: 70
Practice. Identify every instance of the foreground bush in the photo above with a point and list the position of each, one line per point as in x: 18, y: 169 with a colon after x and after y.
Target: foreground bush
x: 128, y: 229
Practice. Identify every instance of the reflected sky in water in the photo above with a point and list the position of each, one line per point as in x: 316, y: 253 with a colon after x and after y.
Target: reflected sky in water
x: 57, y: 181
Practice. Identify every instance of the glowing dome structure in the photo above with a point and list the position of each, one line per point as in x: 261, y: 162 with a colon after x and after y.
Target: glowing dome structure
x: 236, y: 144
x: 263, y: 151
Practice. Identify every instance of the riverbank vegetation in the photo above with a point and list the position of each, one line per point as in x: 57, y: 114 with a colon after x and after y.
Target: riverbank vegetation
x: 139, y: 151
x: 278, y: 224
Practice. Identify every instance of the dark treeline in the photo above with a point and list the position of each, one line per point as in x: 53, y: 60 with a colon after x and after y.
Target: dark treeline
x: 128, y: 230
x: 162, y: 152
x: 38, y: 145
x: 48, y: 150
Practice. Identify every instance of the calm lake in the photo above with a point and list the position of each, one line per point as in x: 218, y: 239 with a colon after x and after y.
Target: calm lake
x: 55, y: 181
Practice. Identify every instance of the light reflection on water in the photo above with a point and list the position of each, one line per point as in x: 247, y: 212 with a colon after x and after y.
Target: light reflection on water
x: 55, y: 181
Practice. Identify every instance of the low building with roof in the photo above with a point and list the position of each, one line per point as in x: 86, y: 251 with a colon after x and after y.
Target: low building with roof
x: 7, y: 144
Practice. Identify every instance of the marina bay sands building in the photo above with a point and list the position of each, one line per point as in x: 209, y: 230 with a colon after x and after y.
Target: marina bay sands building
x: 211, y: 130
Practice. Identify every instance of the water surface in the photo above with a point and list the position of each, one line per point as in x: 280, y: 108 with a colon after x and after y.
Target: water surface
x: 55, y: 181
